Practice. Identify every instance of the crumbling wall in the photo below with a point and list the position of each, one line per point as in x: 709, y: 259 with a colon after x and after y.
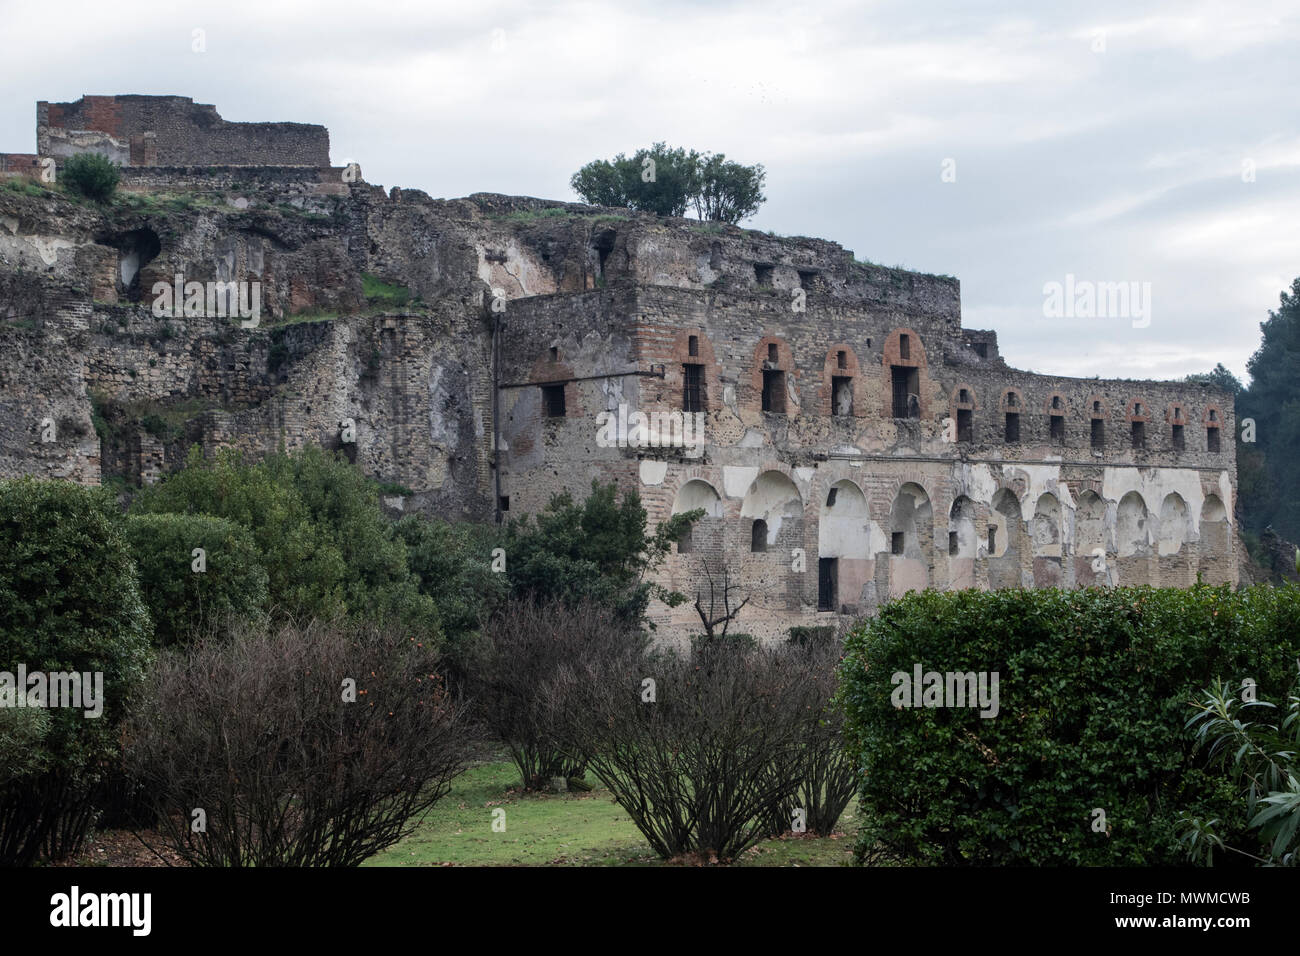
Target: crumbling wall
x: 184, y: 133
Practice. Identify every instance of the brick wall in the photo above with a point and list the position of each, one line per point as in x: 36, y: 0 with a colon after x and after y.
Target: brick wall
x: 185, y: 133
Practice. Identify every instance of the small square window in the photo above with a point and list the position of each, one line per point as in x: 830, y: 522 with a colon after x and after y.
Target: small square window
x: 553, y: 400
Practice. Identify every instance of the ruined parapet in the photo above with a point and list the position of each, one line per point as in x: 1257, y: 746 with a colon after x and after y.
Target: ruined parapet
x: 172, y: 131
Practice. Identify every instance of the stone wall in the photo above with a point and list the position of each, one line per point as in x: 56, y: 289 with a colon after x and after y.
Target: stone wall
x: 856, y: 441
x: 176, y: 131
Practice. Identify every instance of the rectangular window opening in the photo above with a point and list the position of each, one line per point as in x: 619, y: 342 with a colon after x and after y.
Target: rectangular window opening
x: 774, y: 392
x: 906, y: 391
x: 1013, y: 428
x: 1180, y: 442
x: 965, y: 425
x: 827, y: 584
x: 841, y: 395
x: 1058, y: 428
x: 896, y: 543
x: 1098, y: 434
x: 1139, y: 435
x: 553, y: 400
x: 692, y: 388
x: 1211, y: 439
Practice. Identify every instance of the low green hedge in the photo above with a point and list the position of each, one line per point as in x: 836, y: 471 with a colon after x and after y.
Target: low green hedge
x: 1094, y: 691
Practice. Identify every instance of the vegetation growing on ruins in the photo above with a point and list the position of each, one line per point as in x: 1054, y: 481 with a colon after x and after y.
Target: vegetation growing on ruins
x: 669, y: 182
x: 90, y: 175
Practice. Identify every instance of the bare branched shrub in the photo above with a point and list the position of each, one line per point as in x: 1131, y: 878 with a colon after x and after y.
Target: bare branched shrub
x: 528, y: 644
x: 703, y: 757
x: 827, y: 781
x: 253, y: 756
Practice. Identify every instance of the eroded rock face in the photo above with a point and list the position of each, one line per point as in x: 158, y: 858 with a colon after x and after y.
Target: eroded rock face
x: 811, y: 372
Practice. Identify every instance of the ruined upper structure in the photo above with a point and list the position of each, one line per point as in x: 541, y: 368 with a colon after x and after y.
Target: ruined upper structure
x: 849, y: 440
x: 135, y: 130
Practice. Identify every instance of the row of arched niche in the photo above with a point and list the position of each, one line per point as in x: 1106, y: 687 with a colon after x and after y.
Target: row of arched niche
x: 774, y: 510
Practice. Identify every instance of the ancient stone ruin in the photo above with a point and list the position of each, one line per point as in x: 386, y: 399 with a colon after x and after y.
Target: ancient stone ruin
x: 845, y: 436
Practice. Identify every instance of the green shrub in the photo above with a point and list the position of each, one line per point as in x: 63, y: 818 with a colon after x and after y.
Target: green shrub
x: 69, y: 601
x: 1094, y: 687
x: 90, y: 175
x: 180, y: 599
x: 453, y: 564
x: 1256, y: 746
x: 599, y: 550
x: 320, y: 532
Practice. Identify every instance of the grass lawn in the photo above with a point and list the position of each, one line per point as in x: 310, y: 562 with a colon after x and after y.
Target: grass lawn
x: 573, y: 829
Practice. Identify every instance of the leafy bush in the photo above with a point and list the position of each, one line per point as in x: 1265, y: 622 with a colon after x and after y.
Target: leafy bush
x: 704, y: 758
x: 258, y: 734
x: 1260, y: 755
x: 599, y: 550
x: 1093, y: 688
x: 453, y: 564
x: 322, y: 537
x: 90, y: 175
x: 69, y: 601
x: 181, y: 600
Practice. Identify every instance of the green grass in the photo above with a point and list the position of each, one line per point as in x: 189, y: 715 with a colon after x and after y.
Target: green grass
x: 380, y: 293
x: 27, y: 187
x: 570, y: 829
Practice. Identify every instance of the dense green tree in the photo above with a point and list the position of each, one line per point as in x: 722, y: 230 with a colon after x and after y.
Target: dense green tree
x: 600, y: 550
x: 1219, y: 376
x: 183, y: 597
x: 668, y: 182
x: 324, y: 541
x: 69, y: 602
x: 1273, y: 401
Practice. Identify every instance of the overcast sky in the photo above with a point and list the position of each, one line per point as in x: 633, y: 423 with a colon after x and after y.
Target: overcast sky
x: 1105, y: 140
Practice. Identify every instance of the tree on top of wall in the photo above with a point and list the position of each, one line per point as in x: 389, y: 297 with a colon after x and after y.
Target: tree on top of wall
x: 668, y: 182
